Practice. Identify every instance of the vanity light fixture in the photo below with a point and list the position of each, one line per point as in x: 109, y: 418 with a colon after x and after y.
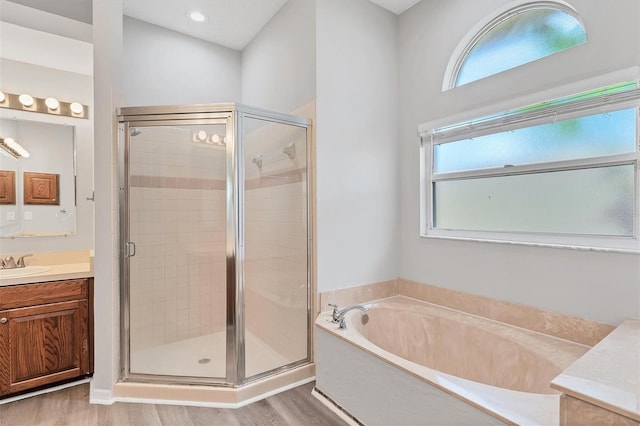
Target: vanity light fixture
x: 76, y: 108
x: 10, y: 146
x: 197, y: 16
x: 52, y: 103
x: 49, y: 105
x: 26, y: 99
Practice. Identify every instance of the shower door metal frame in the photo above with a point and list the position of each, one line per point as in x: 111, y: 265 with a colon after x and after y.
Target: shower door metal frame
x: 232, y: 115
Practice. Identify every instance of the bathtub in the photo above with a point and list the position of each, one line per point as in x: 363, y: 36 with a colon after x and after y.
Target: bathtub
x: 417, y: 363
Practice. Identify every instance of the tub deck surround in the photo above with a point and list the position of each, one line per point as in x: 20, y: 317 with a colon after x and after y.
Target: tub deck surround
x: 502, y: 370
x: 59, y: 266
x: 356, y: 295
x: 575, y: 329
x: 608, y: 376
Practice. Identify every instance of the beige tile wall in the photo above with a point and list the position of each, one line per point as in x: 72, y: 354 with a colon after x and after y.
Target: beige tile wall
x: 276, y: 268
x: 177, y: 220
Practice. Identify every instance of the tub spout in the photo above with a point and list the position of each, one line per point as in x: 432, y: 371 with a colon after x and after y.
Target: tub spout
x: 338, y: 314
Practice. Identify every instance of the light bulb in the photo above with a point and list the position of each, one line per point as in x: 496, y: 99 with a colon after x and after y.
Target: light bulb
x: 2, y: 97
x: 196, y: 16
x: 76, y: 108
x: 52, y: 103
x: 202, y: 135
x: 26, y: 100
x: 215, y: 139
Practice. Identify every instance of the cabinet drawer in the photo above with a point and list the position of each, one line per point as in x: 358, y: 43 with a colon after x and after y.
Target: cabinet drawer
x: 17, y: 296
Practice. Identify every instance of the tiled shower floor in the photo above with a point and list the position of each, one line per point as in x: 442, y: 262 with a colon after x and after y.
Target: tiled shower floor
x: 189, y: 357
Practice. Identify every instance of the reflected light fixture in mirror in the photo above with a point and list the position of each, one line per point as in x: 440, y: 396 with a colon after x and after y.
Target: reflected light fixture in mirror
x: 50, y: 105
x: 10, y: 146
x: 216, y: 139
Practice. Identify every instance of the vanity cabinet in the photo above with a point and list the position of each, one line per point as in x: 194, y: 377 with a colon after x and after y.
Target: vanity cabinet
x: 45, y: 334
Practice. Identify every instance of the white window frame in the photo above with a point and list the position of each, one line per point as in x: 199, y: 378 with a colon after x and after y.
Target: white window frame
x: 476, y: 33
x: 431, y: 136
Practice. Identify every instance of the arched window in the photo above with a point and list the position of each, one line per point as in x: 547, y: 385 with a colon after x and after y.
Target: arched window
x: 518, y: 36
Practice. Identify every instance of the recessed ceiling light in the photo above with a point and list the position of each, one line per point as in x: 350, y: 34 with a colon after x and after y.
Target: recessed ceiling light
x: 196, y: 16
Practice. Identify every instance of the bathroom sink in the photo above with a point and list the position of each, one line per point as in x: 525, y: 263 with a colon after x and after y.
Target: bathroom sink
x: 23, y: 272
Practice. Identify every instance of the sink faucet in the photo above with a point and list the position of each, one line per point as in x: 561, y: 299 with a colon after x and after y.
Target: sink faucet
x: 338, y: 314
x: 10, y: 263
x: 20, y: 262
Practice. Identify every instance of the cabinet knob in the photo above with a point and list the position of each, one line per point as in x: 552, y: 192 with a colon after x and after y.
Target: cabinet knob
x: 3, y: 320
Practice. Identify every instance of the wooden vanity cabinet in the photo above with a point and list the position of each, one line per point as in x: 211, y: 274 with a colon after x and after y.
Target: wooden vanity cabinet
x: 45, y: 334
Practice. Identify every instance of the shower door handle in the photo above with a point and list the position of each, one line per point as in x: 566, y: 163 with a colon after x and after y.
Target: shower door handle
x: 131, y: 249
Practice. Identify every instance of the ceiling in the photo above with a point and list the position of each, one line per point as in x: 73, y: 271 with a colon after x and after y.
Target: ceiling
x: 396, y: 6
x: 231, y: 23
x: 78, y: 10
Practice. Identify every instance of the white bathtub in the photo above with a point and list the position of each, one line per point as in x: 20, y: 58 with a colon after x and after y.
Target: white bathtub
x: 418, y: 363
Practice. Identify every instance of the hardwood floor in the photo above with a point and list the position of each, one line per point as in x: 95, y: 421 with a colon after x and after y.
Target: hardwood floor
x: 71, y: 407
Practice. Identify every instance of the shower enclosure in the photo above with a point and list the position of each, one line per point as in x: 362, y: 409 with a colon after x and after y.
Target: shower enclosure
x: 215, y: 244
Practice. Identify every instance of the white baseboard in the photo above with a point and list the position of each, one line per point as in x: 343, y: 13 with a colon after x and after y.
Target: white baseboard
x: 231, y: 405
x: 100, y: 396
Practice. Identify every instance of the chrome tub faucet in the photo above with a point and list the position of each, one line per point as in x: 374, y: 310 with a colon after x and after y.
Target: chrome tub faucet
x: 338, y: 314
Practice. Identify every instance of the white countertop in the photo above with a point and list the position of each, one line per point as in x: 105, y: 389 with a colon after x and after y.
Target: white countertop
x: 64, y: 271
x: 609, y: 374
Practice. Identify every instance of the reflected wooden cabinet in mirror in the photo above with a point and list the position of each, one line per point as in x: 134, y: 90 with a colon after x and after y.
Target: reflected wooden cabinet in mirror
x: 41, y: 188
x: 46, y: 334
x: 7, y: 187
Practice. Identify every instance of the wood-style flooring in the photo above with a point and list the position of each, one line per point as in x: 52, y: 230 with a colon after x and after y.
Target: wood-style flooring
x: 71, y: 407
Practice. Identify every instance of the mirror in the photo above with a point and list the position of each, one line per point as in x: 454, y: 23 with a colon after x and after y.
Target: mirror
x: 38, y: 193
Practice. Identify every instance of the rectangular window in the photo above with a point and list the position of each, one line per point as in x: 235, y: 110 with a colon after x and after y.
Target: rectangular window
x: 563, y: 172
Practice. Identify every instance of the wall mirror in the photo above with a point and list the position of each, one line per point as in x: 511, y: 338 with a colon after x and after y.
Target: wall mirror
x: 37, y: 190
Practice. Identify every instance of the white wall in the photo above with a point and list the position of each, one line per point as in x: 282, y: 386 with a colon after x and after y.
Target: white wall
x: 164, y: 67
x: 279, y: 64
x: 357, y: 144
x: 596, y: 285
x: 107, y: 41
x: 25, y: 69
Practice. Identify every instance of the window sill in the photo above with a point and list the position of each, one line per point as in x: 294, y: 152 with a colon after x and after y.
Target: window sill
x: 535, y: 244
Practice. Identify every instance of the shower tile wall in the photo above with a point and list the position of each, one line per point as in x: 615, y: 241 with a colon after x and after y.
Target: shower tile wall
x: 177, y: 208
x: 178, y: 222
x: 276, y: 241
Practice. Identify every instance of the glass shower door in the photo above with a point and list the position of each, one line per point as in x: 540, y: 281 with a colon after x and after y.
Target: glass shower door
x: 176, y: 249
x: 276, y: 273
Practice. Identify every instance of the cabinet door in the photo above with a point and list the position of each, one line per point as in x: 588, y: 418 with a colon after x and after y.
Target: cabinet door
x: 43, y: 344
